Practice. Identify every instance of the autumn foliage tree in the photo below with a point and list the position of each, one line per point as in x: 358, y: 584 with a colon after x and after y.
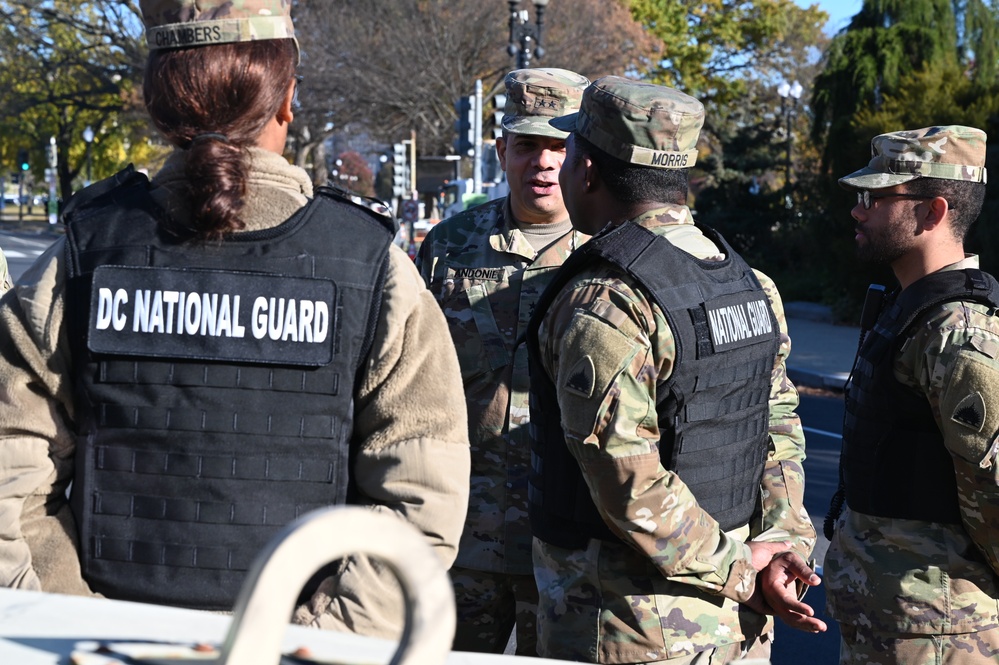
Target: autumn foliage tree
x: 353, y: 174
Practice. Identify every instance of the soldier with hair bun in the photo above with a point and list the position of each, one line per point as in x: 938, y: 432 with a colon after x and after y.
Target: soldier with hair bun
x: 208, y: 355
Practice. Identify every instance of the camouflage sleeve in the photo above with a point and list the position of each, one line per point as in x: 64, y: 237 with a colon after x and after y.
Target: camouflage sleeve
x: 954, y: 360
x: 606, y: 332
x: 782, y: 515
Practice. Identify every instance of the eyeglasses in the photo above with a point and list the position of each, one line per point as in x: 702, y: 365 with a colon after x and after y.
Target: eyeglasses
x: 865, y: 197
x: 295, y: 104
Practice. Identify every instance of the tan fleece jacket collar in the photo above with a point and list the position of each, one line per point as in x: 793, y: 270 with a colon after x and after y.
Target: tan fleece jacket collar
x: 275, y: 189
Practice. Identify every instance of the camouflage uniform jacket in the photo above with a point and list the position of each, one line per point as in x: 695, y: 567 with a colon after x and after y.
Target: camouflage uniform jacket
x: 911, y: 576
x: 674, y: 587
x: 487, y: 278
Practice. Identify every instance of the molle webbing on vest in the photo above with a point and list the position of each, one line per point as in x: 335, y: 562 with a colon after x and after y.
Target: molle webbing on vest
x: 187, y: 463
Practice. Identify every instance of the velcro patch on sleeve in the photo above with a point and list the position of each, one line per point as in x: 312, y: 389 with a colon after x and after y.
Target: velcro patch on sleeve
x: 969, y: 406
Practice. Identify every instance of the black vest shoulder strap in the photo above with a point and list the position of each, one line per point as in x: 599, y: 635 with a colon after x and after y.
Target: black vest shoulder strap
x: 942, y: 287
x: 126, y: 178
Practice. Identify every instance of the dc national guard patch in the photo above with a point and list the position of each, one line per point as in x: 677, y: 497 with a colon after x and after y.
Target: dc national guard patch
x: 212, y: 315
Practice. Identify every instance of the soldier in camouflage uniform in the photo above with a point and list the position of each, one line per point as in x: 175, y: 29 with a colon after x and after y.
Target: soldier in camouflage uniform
x: 487, y: 266
x: 913, y: 566
x: 650, y: 419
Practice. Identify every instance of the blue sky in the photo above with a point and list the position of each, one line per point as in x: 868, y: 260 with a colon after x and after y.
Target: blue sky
x: 840, y: 11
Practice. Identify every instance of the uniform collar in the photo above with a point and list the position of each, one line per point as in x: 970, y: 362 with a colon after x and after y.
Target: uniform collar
x: 508, y: 239
x: 669, y: 215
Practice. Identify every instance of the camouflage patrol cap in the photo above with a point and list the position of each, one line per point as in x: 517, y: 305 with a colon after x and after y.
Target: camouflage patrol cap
x: 533, y: 96
x: 950, y: 152
x: 639, y: 123
x: 180, y: 23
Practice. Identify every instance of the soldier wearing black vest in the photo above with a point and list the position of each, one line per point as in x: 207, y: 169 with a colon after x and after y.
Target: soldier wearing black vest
x: 666, y: 468
x: 208, y: 355
x: 913, y: 566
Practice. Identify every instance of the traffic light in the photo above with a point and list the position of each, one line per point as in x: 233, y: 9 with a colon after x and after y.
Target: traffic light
x: 464, y: 126
x: 499, y: 104
x: 400, y: 170
x: 22, y: 160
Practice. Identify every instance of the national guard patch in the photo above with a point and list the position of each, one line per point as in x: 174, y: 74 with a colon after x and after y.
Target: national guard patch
x: 582, y: 378
x: 736, y: 321
x: 212, y: 315
x: 970, y: 412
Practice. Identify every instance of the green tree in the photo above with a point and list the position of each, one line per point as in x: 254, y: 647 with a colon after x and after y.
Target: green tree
x: 884, y: 44
x: 714, y: 49
x: 67, y: 65
x: 899, y: 64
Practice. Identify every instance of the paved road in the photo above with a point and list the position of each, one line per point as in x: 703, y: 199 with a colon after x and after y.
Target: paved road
x: 822, y: 418
x: 22, y: 247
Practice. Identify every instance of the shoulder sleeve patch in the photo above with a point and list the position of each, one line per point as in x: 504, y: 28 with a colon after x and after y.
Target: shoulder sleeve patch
x: 970, y: 412
x: 581, y: 378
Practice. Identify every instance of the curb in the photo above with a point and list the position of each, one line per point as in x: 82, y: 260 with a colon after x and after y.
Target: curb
x: 823, y: 380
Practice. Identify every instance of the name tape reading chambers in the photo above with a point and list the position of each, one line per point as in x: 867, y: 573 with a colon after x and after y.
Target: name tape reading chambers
x: 212, y: 315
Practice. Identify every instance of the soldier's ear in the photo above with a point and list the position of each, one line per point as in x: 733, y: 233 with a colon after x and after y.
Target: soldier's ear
x: 286, y: 113
x: 934, y: 211
x: 501, y: 152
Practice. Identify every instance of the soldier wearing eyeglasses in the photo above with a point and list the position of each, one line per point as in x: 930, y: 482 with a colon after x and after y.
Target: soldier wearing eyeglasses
x: 912, y: 571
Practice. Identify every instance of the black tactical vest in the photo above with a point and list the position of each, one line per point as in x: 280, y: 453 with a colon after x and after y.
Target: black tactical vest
x: 713, y: 409
x: 892, y: 447
x: 213, y: 386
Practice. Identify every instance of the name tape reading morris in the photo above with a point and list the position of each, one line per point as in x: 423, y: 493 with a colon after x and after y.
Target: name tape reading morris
x: 212, y: 315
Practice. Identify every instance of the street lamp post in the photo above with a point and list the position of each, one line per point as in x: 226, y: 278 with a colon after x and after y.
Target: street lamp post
x: 525, y: 39
x: 88, y: 136
x: 789, y: 93
x: 53, y: 175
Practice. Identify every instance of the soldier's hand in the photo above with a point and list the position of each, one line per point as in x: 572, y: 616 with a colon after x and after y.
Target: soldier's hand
x: 778, y: 583
x: 763, y: 553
